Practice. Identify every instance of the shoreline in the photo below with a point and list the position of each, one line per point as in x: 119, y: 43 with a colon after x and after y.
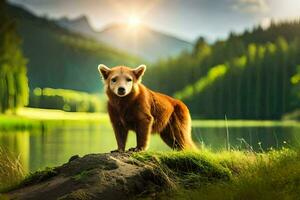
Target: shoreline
x: 34, y: 118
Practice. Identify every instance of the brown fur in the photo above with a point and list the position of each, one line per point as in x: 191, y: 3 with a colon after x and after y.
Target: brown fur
x: 145, y: 111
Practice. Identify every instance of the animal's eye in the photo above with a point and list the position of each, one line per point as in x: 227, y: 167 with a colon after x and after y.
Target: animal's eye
x: 128, y: 79
x: 113, y: 80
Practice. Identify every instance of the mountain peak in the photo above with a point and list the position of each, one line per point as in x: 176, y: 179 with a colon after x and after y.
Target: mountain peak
x: 79, y: 24
x: 81, y: 19
x: 138, y: 40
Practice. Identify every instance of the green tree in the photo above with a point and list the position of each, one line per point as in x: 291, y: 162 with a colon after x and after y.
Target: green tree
x: 251, y: 75
x: 13, y: 79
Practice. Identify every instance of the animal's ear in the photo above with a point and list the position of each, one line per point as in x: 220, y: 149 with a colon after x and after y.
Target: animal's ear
x: 104, y: 71
x: 139, y: 72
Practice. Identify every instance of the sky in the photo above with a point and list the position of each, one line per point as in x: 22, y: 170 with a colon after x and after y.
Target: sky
x: 187, y: 19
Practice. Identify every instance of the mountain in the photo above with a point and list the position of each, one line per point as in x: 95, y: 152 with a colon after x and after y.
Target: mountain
x: 139, y: 40
x: 58, y: 58
x: 79, y: 25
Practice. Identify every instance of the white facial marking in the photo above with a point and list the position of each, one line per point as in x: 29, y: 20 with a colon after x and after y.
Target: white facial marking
x: 121, y: 84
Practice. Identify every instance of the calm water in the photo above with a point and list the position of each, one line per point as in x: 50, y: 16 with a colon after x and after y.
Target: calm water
x: 50, y: 147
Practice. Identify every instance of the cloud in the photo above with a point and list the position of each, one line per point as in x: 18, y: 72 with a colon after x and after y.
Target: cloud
x: 251, y: 6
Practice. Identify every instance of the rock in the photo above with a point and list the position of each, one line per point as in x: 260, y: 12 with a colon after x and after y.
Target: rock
x: 73, y: 158
x: 94, y: 176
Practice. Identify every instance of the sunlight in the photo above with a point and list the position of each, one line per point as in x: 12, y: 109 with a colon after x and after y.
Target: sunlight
x: 265, y: 23
x: 134, y: 21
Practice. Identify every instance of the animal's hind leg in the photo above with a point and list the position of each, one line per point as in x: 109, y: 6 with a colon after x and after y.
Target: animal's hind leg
x: 172, y: 139
x: 177, y: 134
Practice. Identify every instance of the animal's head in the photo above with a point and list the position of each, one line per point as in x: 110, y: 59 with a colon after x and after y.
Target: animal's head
x: 121, y: 80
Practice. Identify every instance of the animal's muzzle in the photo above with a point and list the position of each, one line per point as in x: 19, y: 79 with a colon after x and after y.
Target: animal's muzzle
x: 121, y: 91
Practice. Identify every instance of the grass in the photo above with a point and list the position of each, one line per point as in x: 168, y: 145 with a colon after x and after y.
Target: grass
x: 37, y: 177
x: 12, y: 174
x: 193, y: 175
x: 30, y: 118
x: 16, y: 182
x: 11, y: 170
x: 228, y: 174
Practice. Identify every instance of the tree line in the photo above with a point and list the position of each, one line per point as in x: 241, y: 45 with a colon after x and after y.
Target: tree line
x: 254, y: 75
x: 67, y: 100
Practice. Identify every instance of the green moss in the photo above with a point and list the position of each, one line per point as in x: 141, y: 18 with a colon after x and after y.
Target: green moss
x: 39, y: 176
x: 186, y: 168
x: 81, y: 176
x: 32, y: 178
x: 270, y: 175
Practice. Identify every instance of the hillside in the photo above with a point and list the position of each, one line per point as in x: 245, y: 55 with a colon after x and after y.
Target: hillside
x: 253, y: 75
x: 141, y: 40
x: 58, y: 58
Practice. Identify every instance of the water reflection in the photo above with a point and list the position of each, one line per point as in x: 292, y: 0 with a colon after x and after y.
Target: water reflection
x: 51, y: 147
x: 18, y: 143
x: 255, y: 138
x: 54, y: 146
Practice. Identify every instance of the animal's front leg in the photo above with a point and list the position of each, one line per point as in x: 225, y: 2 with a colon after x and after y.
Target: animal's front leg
x: 143, y: 133
x: 121, y: 136
x: 120, y: 131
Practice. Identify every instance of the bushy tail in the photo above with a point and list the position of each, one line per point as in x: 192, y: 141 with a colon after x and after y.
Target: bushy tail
x: 183, y: 127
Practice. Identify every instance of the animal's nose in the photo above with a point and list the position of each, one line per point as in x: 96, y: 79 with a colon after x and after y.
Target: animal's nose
x: 121, y: 90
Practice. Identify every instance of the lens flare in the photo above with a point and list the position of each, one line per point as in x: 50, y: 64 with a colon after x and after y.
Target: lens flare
x: 134, y: 20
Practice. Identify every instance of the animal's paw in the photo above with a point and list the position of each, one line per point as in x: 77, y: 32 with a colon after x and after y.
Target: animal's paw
x: 135, y: 149
x: 117, y: 151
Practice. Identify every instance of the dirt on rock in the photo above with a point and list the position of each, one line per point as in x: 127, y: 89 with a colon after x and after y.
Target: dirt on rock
x: 94, y: 176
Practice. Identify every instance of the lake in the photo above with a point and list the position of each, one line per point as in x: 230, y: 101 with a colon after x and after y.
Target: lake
x: 54, y: 146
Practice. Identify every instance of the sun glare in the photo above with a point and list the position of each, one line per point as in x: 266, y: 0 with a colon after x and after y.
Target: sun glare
x: 134, y: 21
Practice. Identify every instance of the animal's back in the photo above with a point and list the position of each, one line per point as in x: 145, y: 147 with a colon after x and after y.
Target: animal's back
x: 162, y: 108
x: 172, y: 120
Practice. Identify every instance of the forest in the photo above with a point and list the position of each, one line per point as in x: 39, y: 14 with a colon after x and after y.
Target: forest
x: 67, y: 100
x: 13, y: 78
x: 253, y: 75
